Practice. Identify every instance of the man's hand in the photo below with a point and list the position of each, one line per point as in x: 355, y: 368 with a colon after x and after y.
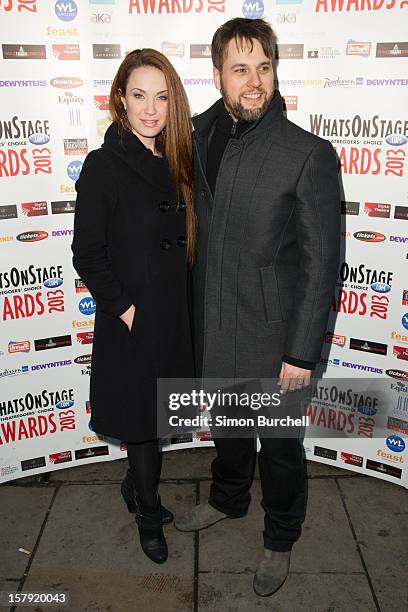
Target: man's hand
x: 127, y: 316
x: 292, y: 378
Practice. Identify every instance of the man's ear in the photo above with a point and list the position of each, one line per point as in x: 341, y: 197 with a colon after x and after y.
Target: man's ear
x: 217, y: 78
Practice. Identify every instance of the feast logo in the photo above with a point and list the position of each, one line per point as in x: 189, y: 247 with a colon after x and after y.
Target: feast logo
x: 326, y: 6
x: 149, y: 7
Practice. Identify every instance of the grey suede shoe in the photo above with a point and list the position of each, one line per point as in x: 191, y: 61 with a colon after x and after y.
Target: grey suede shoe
x: 272, y: 572
x: 199, y: 517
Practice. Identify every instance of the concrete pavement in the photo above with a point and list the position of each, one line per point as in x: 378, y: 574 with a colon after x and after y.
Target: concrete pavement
x: 352, y: 556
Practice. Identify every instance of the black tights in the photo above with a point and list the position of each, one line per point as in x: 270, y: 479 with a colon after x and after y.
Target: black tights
x: 145, y: 466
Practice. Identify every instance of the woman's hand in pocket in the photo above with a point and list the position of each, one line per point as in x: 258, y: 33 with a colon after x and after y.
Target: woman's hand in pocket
x: 128, y: 315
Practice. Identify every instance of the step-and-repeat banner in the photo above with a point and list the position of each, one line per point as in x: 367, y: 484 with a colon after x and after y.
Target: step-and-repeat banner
x: 342, y: 74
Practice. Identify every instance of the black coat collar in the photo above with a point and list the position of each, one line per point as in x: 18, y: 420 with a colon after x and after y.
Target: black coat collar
x: 203, y: 123
x: 139, y: 158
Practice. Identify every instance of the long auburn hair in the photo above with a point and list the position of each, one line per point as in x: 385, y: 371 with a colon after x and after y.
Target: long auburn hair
x: 176, y: 141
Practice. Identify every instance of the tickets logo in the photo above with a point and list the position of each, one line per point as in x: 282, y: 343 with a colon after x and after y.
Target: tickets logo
x: 367, y: 236
x: 33, y: 236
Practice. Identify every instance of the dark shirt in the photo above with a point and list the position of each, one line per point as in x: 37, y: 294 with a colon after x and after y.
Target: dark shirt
x: 224, y: 129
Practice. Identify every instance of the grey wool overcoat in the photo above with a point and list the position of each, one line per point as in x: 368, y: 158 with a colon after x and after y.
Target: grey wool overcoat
x: 268, y: 247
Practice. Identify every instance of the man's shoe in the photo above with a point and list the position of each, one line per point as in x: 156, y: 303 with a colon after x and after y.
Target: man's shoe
x: 272, y: 572
x: 129, y: 495
x: 199, y: 517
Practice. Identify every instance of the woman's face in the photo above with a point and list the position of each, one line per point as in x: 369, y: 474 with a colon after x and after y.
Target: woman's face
x: 146, y: 103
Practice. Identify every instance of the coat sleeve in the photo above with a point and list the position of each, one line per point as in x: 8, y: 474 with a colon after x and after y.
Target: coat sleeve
x: 317, y: 216
x: 95, y: 204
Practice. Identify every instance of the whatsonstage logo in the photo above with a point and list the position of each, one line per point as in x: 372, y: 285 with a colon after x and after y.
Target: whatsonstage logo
x: 346, y: 6
x: 362, y: 291
x: 365, y: 145
x: 31, y: 291
x: 172, y: 7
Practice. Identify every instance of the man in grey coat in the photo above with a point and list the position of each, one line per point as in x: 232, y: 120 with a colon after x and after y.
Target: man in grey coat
x: 268, y: 206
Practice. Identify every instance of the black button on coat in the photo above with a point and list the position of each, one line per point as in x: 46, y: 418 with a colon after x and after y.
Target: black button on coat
x: 125, y: 211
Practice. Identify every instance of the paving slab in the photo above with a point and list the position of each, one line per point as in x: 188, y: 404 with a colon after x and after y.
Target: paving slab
x: 22, y: 513
x: 327, y: 542
x: 379, y: 514
x: 316, y: 469
x: 91, y: 472
x: 188, y: 463
x: 300, y: 593
x: 90, y: 547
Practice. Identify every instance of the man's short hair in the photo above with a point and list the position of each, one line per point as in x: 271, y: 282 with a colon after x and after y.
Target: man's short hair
x: 244, y: 31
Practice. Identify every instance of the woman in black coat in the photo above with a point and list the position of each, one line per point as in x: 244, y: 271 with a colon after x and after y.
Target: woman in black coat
x: 133, y: 245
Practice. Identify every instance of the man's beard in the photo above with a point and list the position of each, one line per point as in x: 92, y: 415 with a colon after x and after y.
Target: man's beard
x: 245, y: 114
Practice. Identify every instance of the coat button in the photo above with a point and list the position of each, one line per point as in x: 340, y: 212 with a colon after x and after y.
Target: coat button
x: 164, y: 206
x: 181, y: 241
x: 165, y: 244
x: 204, y: 194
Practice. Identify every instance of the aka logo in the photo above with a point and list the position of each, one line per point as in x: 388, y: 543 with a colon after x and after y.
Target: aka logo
x: 253, y: 10
x: 404, y: 320
x: 286, y: 18
x: 87, y: 306
x: 101, y: 17
x: 66, y: 11
x: 74, y: 170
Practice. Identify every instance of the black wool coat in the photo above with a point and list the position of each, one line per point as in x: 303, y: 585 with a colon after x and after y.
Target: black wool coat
x: 268, y: 247
x: 129, y: 248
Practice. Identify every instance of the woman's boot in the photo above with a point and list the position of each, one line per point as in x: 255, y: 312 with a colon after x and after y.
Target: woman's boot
x: 129, y: 495
x: 152, y: 540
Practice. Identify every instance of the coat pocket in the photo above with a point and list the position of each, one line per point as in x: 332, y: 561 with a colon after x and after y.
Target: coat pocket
x: 270, y: 292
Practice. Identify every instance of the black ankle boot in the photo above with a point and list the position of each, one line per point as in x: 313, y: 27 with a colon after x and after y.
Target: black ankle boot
x: 151, y: 534
x: 129, y: 495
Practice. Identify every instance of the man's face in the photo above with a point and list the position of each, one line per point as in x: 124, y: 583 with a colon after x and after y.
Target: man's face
x: 246, y: 81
